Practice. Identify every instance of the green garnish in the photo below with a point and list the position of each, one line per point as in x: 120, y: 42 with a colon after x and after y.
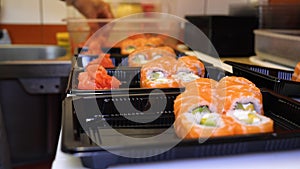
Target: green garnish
x: 130, y: 48
x: 251, y: 118
x: 200, y: 109
x: 208, y: 122
x: 250, y: 107
x: 154, y: 75
x: 139, y: 58
x: 247, y: 106
x: 239, y: 106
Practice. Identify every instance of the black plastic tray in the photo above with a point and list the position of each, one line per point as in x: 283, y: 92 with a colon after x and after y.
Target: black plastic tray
x: 274, y: 79
x: 130, y: 79
x: 284, y: 112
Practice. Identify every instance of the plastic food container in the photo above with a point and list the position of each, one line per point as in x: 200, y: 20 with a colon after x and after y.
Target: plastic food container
x: 83, y: 122
x: 279, y: 46
x: 130, y: 78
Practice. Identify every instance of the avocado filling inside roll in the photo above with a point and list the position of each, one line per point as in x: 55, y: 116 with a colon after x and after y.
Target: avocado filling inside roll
x: 201, y: 109
x: 140, y: 58
x: 130, y: 48
x: 246, y: 113
x: 156, y: 56
x: 245, y: 106
x: 158, y: 77
x: 209, y: 119
x: 203, y: 116
x: 186, y: 76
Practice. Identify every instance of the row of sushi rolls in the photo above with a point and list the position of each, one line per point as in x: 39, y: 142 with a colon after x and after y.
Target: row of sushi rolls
x: 206, y: 108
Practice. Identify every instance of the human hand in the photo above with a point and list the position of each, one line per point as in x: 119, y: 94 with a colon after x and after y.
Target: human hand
x: 93, y: 8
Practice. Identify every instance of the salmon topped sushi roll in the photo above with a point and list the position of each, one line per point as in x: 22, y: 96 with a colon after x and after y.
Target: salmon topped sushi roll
x: 188, y: 69
x: 231, y: 106
x: 196, y: 112
x: 201, y: 83
x: 139, y: 57
x: 228, y: 81
x: 158, y: 73
x: 241, y: 100
x: 296, y: 74
x: 203, y: 125
x: 193, y: 103
x: 154, y: 42
x: 235, y: 99
x: 191, y: 63
x: 163, y: 50
x: 198, y: 96
x: 158, y: 52
x: 229, y: 99
x: 146, y: 54
x: 128, y: 46
x: 133, y: 43
x: 233, y: 91
x: 249, y: 122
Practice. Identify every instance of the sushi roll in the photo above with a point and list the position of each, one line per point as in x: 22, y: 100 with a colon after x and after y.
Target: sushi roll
x: 230, y: 99
x: 191, y: 63
x: 239, y: 99
x: 232, y: 106
x: 296, y: 74
x: 198, y: 96
x: 161, y: 52
x: 140, y: 42
x: 139, y: 57
x: 157, y: 73
x: 231, y: 81
x: 128, y: 46
x: 144, y: 55
x: 196, y: 112
x: 193, y: 103
x: 203, y: 125
x: 201, y: 83
x: 249, y: 122
x: 154, y: 42
x: 231, y: 93
x: 188, y: 69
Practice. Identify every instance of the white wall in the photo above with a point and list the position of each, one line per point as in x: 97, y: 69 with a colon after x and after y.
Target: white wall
x: 189, y: 7
x: 20, y: 11
x: 220, y: 7
x: 54, y: 11
x: 32, y: 11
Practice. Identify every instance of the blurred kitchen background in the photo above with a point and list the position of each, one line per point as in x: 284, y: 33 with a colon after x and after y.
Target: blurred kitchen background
x: 38, y: 21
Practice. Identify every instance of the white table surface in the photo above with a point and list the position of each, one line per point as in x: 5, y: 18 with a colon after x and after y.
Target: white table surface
x: 270, y: 160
